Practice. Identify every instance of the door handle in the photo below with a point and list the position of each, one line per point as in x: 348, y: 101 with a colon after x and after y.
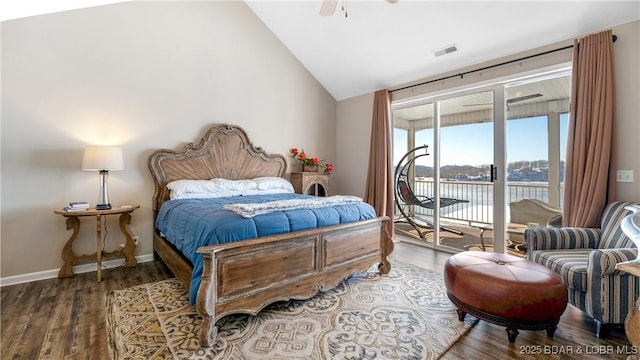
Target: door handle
x: 494, y: 173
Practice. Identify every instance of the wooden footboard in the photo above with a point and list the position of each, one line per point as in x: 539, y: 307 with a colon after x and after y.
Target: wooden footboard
x: 244, y: 277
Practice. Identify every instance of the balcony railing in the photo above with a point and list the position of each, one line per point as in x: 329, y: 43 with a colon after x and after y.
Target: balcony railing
x: 479, y: 209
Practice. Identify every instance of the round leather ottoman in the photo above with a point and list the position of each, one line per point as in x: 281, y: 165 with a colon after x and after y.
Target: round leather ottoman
x: 505, y: 290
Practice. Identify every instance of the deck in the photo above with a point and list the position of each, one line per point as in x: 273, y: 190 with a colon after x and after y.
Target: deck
x: 452, y: 241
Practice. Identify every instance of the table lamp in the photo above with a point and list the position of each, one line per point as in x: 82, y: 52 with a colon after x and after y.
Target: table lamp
x: 103, y: 159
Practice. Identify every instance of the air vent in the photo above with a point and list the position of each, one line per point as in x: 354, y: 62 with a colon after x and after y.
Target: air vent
x: 448, y: 50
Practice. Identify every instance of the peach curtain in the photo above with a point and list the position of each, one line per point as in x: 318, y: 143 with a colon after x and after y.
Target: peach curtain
x: 379, y: 191
x: 590, y: 164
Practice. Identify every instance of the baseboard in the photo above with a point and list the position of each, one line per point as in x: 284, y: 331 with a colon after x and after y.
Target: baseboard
x: 78, y: 269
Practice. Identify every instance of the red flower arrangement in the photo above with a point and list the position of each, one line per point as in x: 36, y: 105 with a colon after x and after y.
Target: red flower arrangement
x: 302, y: 157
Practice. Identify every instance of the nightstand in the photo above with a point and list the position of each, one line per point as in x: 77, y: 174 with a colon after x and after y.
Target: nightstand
x: 311, y: 183
x: 632, y: 323
x: 73, y: 223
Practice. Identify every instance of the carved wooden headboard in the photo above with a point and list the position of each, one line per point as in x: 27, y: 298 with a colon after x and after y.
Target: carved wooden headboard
x: 224, y: 152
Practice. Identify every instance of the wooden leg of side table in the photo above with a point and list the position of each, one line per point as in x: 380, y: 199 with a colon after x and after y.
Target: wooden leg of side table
x: 67, y: 252
x: 632, y: 328
x: 127, y: 251
x: 99, y: 245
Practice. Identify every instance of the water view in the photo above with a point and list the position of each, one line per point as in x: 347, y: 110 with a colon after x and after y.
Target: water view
x: 466, y: 154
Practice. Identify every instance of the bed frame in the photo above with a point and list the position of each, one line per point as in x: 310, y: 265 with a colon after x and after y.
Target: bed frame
x: 246, y: 276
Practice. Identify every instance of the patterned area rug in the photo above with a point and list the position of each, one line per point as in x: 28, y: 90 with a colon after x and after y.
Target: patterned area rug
x: 403, y: 315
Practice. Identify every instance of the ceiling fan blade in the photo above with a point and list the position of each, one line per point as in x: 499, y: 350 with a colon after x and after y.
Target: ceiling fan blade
x: 328, y: 7
x: 522, y: 98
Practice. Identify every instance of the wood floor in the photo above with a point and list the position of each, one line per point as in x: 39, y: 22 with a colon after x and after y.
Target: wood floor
x: 574, y: 338
x: 65, y: 319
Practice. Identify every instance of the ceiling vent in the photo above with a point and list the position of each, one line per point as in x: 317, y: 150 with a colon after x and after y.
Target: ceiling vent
x: 448, y: 50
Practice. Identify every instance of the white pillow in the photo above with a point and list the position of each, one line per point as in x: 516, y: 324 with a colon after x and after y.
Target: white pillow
x: 203, y: 195
x: 190, y: 186
x: 197, y: 189
x: 273, y: 183
x: 265, y: 192
x: 237, y: 185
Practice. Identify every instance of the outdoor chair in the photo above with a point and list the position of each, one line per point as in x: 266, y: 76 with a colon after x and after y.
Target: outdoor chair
x: 409, y: 198
x: 532, y: 213
x: 405, y: 197
x: 526, y: 211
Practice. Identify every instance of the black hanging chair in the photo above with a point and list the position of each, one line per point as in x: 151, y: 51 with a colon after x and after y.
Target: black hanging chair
x: 405, y: 196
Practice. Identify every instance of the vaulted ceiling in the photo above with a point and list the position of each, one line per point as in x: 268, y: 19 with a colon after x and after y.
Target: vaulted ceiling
x: 383, y: 44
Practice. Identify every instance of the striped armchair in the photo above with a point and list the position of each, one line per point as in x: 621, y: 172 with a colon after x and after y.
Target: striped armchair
x: 586, y: 260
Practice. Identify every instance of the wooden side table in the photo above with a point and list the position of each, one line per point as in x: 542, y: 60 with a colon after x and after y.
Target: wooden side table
x: 73, y: 223
x: 632, y: 322
x: 310, y: 183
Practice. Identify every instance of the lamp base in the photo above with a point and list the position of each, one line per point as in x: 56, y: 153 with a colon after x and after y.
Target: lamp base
x: 103, y: 207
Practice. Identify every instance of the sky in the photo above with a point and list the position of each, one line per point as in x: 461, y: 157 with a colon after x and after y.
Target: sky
x: 472, y: 144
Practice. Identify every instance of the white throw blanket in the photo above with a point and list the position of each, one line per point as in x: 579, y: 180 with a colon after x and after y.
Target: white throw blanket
x: 250, y: 210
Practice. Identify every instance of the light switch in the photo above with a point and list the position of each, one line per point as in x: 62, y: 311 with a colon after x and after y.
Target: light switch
x: 624, y: 176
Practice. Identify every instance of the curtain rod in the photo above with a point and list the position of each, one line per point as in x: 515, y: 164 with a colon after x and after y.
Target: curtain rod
x: 462, y: 74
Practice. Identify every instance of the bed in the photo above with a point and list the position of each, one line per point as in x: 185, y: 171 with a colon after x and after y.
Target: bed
x: 245, y: 276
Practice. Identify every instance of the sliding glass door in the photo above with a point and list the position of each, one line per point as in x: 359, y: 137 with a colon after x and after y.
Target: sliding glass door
x: 466, y: 156
x: 444, y: 150
x: 414, y: 170
x: 537, y: 122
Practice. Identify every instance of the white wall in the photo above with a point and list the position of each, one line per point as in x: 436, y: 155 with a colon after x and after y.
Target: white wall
x: 353, y: 135
x: 627, y: 66
x: 356, y: 112
x: 141, y: 75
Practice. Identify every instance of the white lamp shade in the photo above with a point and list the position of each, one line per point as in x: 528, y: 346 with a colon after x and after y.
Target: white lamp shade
x: 102, y: 158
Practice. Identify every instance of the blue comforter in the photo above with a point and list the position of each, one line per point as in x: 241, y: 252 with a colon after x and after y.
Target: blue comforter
x: 191, y: 223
